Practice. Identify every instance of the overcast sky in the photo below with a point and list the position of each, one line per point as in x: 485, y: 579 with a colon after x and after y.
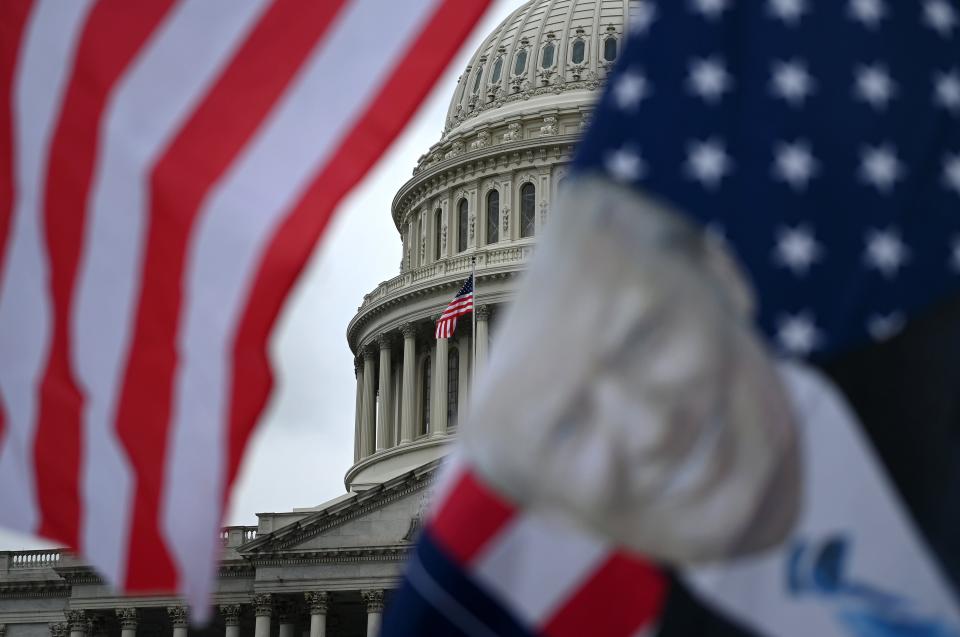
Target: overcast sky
x: 304, y: 444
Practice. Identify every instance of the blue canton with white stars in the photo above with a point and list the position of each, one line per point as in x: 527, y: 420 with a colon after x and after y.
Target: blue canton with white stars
x: 820, y: 140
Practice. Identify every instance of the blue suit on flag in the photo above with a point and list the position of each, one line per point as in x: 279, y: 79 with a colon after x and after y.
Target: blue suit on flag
x: 785, y: 175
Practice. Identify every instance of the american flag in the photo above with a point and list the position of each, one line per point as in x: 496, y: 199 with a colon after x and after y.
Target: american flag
x: 461, y: 305
x: 166, y: 168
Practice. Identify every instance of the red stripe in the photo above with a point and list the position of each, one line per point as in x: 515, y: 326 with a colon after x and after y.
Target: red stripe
x: 114, y: 33
x: 469, y: 517
x: 13, y: 21
x: 294, y: 240
x: 625, y: 594
x: 225, y: 120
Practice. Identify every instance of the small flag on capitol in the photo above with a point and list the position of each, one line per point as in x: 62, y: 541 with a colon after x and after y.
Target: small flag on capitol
x: 461, y: 305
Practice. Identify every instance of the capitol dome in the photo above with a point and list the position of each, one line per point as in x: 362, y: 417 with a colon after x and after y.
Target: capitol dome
x: 484, y: 192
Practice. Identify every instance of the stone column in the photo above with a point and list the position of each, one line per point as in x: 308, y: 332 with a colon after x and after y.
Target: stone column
x: 358, y: 414
x: 318, y: 602
x: 374, y: 600
x: 483, y: 315
x: 262, y: 608
x: 231, y: 619
x: 465, y: 345
x: 385, y: 424
x: 77, y: 622
x: 286, y: 614
x: 368, y: 431
x: 128, y: 621
x: 179, y: 619
x: 438, y: 422
x: 408, y: 404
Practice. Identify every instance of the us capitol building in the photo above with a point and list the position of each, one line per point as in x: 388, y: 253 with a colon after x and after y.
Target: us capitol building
x: 484, y: 190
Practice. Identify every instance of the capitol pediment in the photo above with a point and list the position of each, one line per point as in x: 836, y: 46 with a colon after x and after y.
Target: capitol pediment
x: 384, y: 516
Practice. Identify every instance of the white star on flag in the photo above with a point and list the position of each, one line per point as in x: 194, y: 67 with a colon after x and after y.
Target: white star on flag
x: 791, y: 81
x: 642, y: 15
x: 951, y: 172
x: 630, y: 89
x: 798, y: 334
x: 884, y: 326
x: 625, y: 165
x: 708, y: 162
x: 946, y: 92
x: 709, y: 79
x: 940, y: 16
x: 885, y: 251
x: 709, y: 9
x: 880, y: 167
x: 795, y: 164
x: 874, y: 85
x: 789, y: 11
x: 868, y: 12
x: 797, y: 249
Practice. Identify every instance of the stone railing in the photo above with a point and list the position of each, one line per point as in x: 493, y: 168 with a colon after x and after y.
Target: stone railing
x: 44, y: 558
x: 232, y: 536
x: 487, y: 258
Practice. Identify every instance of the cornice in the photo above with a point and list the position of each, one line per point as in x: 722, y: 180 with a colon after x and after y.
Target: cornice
x: 34, y: 589
x: 389, y: 553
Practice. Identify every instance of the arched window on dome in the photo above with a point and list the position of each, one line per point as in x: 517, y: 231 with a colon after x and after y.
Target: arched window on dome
x: 453, y: 386
x: 426, y: 372
x: 437, y: 232
x: 497, y: 70
x: 528, y: 214
x: 493, y: 216
x: 610, y: 49
x: 578, y: 51
x: 462, y: 225
x: 520, y: 63
x: 476, y: 81
x: 547, y: 55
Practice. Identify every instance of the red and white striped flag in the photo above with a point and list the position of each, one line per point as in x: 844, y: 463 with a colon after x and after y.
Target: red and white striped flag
x: 461, y: 305
x: 166, y: 167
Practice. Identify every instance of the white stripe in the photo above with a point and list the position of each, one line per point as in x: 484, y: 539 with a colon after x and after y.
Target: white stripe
x: 47, y: 52
x: 233, y: 231
x: 536, y: 564
x: 147, y: 109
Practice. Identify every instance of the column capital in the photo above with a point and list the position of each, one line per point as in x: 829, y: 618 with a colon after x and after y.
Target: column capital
x: 59, y: 629
x: 127, y: 618
x: 369, y: 352
x: 178, y: 616
x: 317, y: 601
x: 383, y: 340
x: 374, y: 600
x: 76, y: 619
x: 3, y: 630
x: 263, y: 604
x: 231, y: 614
x: 357, y: 365
x: 409, y: 330
x: 483, y: 312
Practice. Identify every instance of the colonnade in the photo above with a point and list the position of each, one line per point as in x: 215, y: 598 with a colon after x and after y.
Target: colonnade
x: 267, y: 608
x: 378, y: 388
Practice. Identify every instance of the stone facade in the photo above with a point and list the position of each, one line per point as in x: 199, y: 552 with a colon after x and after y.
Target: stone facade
x: 478, y: 198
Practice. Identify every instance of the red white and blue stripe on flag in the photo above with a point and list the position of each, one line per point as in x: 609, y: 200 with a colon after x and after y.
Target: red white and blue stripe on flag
x: 461, y: 305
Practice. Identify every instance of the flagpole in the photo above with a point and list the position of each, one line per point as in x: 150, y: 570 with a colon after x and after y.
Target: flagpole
x: 473, y: 318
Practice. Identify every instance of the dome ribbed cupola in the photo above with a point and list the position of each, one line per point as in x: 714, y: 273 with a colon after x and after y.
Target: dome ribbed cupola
x: 543, y: 50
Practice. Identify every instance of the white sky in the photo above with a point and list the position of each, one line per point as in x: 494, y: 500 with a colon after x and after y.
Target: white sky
x: 304, y: 444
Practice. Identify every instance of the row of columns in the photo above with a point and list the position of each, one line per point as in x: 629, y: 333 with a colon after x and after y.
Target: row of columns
x: 81, y: 624
x: 374, y: 434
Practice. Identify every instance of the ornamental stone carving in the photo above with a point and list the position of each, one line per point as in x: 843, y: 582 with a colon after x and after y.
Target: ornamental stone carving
x: 374, y: 600
x: 127, y: 618
x: 369, y: 353
x: 409, y: 330
x: 482, y: 140
x: 263, y: 602
x: 383, y: 340
x: 549, y: 126
x: 231, y: 614
x: 59, y: 629
x: 506, y: 220
x: 473, y: 222
x: 514, y: 132
x: 77, y: 620
x: 317, y: 601
x: 443, y: 239
x: 455, y: 150
x: 179, y: 616
x: 3, y: 630
x: 483, y: 312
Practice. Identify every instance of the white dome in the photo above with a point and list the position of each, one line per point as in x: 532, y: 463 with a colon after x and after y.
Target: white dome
x: 544, y: 49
